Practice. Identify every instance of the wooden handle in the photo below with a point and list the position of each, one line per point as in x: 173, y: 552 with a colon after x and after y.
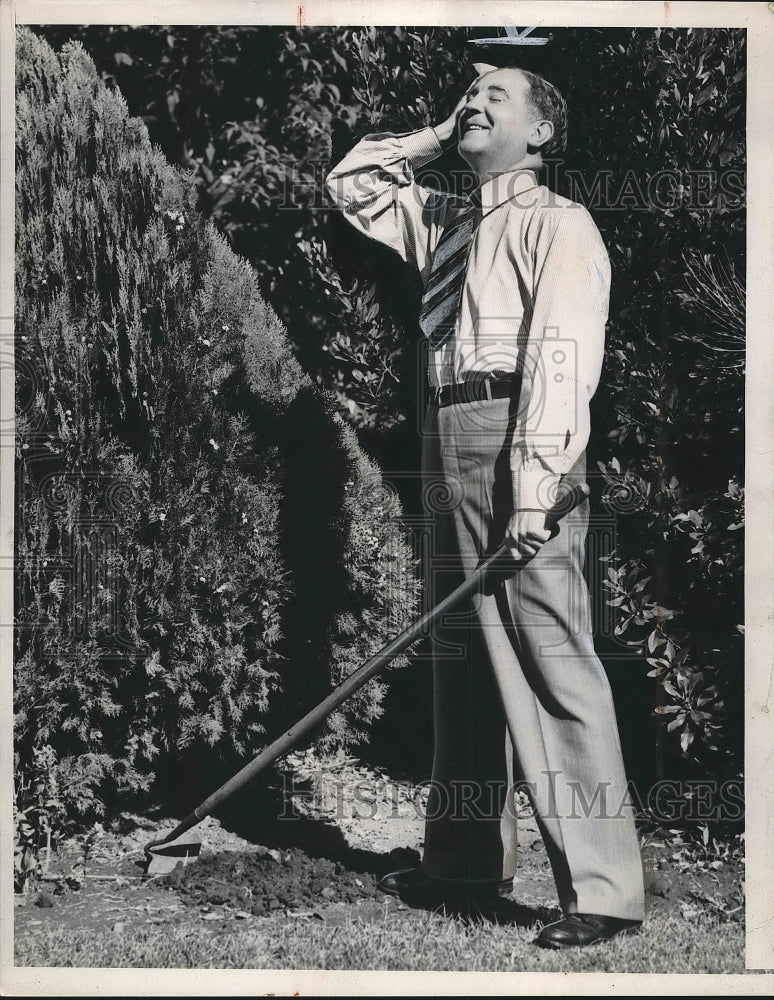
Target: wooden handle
x: 497, y: 561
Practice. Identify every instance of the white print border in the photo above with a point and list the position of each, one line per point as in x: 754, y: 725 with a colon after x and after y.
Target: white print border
x: 758, y: 18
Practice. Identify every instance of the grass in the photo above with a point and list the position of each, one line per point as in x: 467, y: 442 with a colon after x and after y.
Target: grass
x: 410, y: 941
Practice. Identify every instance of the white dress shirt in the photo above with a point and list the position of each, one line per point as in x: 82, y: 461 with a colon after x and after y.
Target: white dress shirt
x: 536, y: 288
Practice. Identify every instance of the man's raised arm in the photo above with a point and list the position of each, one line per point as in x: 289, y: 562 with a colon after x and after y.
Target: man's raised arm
x: 374, y: 187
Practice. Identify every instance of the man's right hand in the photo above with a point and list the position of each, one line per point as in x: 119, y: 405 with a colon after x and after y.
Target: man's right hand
x: 447, y: 129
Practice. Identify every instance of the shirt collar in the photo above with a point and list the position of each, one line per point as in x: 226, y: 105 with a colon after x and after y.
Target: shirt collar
x: 502, y: 187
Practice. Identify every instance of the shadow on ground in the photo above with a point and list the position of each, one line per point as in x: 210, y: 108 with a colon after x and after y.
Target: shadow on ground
x: 311, y: 864
x: 265, y: 816
x: 503, y: 912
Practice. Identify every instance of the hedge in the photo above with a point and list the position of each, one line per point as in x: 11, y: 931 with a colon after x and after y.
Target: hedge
x: 202, y: 547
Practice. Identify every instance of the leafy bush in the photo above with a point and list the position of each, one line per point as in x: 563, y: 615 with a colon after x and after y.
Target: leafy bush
x: 672, y: 397
x: 39, y: 816
x: 194, y: 557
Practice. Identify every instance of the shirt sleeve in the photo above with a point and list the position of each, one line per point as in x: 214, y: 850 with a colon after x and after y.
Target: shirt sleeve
x: 374, y: 186
x: 565, y: 346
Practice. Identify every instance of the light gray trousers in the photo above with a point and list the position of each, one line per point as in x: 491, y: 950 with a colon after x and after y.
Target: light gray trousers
x: 519, y: 692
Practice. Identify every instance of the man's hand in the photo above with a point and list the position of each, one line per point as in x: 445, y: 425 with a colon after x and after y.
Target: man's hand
x: 526, y: 533
x: 447, y: 129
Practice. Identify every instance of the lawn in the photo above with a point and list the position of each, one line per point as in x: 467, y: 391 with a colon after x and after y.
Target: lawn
x: 384, y: 937
x: 301, y: 894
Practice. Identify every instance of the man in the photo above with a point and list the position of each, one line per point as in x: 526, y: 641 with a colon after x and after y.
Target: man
x: 513, y: 315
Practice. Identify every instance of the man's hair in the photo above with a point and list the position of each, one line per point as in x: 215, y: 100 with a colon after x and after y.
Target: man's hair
x: 549, y: 104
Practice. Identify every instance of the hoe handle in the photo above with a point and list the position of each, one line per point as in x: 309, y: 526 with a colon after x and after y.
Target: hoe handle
x: 567, y: 502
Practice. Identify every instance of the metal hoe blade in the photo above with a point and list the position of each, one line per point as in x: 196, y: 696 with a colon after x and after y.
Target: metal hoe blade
x: 164, y: 856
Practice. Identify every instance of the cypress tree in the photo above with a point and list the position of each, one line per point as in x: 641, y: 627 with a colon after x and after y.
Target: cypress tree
x: 202, y: 547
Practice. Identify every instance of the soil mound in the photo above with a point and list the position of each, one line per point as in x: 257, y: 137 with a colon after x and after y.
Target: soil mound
x: 261, y: 883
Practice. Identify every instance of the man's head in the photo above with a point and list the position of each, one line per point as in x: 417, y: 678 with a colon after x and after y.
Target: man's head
x: 511, y: 119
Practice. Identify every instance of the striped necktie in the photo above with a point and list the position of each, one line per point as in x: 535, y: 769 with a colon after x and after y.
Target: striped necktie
x: 441, y: 298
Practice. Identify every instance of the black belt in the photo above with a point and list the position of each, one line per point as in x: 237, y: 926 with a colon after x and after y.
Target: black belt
x: 472, y: 391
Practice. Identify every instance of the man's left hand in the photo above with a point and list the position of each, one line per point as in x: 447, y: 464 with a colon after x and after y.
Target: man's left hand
x: 526, y: 533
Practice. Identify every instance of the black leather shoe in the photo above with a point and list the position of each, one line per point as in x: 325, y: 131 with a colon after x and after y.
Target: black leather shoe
x: 580, y: 929
x: 412, y: 882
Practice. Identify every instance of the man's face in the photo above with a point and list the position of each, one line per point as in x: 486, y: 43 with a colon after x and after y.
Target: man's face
x: 497, y: 121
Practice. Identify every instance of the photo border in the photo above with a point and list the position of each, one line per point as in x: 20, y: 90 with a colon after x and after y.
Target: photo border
x: 758, y: 19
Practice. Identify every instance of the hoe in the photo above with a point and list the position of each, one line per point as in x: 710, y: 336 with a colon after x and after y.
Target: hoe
x: 164, y: 855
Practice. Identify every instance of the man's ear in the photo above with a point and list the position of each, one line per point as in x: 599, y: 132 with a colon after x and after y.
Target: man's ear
x: 542, y: 132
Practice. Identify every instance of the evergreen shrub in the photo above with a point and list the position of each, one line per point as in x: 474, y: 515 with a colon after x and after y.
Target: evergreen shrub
x: 202, y: 547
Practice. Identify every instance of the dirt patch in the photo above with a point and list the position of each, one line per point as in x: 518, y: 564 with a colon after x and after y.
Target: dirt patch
x: 259, y: 884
